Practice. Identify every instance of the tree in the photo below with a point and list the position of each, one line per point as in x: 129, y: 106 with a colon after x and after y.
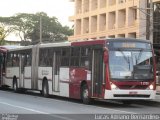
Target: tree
x: 4, y: 32
x: 27, y: 27
x: 23, y: 24
x: 52, y: 30
x: 1, y: 35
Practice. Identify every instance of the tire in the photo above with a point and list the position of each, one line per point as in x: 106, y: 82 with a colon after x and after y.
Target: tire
x: 15, y: 85
x: 45, y: 90
x: 84, y: 95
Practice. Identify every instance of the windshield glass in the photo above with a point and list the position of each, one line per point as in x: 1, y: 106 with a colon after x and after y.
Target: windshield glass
x: 131, y: 65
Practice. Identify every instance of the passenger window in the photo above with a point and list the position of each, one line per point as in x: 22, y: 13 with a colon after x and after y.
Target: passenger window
x: 28, y: 58
x: 15, y: 59
x: 75, y: 56
x: 9, y: 59
x: 85, y: 57
x: 45, y: 57
x: 65, y: 57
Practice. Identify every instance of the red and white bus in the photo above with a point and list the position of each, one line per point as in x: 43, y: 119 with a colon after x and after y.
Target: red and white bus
x: 118, y: 69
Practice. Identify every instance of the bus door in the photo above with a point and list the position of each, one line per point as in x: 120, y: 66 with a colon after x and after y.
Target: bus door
x: 56, y: 69
x: 21, y: 70
x: 97, y: 72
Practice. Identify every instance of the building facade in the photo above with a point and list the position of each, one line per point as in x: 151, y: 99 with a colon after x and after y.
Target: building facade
x: 156, y: 22
x: 95, y: 19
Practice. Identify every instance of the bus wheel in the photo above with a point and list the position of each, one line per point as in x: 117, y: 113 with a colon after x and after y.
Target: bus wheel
x: 84, y: 94
x: 15, y: 86
x: 45, y: 90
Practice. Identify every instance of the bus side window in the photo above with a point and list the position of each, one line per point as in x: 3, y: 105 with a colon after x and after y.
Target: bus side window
x: 41, y: 58
x: 44, y: 57
x: 15, y: 60
x: 65, y: 57
x: 23, y: 61
x: 75, y: 56
x: 28, y: 59
x: 9, y: 59
x: 50, y: 57
x: 85, y: 57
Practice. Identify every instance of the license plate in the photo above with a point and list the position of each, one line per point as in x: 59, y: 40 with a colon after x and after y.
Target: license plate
x: 133, y: 93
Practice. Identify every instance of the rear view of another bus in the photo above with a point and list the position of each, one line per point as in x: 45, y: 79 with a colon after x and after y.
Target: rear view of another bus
x: 131, y: 70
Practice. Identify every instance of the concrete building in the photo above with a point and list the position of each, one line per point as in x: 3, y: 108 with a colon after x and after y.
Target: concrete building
x: 156, y: 22
x: 94, y: 19
x: 156, y: 1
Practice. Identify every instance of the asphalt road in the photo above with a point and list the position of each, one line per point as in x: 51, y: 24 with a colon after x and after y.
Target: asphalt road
x: 31, y: 106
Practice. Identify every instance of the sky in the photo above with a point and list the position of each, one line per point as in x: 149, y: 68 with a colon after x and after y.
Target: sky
x: 61, y: 9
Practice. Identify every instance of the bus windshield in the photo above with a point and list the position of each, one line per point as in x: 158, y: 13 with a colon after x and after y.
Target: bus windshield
x: 131, y: 64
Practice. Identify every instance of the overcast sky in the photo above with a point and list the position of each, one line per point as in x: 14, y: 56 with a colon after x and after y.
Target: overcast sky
x: 61, y: 9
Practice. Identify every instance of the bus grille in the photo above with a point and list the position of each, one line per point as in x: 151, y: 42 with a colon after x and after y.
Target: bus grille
x: 124, y: 95
x: 133, y: 87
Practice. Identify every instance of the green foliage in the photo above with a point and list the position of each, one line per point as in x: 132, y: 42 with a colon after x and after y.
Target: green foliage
x: 27, y: 27
x: 3, y: 34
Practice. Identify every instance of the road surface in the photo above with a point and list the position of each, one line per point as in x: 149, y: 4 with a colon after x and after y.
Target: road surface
x: 31, y: 106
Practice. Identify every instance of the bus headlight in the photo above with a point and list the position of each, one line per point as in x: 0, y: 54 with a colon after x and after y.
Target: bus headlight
x: 113, y: 86
x: 151, y: 87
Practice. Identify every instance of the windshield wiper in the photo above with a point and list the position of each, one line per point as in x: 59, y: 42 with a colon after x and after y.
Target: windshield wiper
x: 126, y: 58
x: 139, y: 56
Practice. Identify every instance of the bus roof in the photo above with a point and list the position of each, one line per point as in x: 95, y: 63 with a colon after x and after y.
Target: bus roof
x: 5, y: 48
x: 78, y: 43
x: 102, y: 41
x: 46, y: 45
x: 11, y: 46
x: 88, y: 42
x: 128, y: 39
x: 59, y: 44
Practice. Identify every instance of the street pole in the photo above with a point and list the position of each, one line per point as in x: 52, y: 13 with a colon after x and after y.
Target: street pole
x: 149, y: 18
x: 151, y: 22
x: 40, y: 29
x: 148, y: 21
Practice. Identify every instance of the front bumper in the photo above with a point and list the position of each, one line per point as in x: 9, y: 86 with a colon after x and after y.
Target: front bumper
x: 130, y: 94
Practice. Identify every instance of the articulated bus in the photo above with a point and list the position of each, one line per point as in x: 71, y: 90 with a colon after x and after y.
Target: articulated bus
x: 116, y: 69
